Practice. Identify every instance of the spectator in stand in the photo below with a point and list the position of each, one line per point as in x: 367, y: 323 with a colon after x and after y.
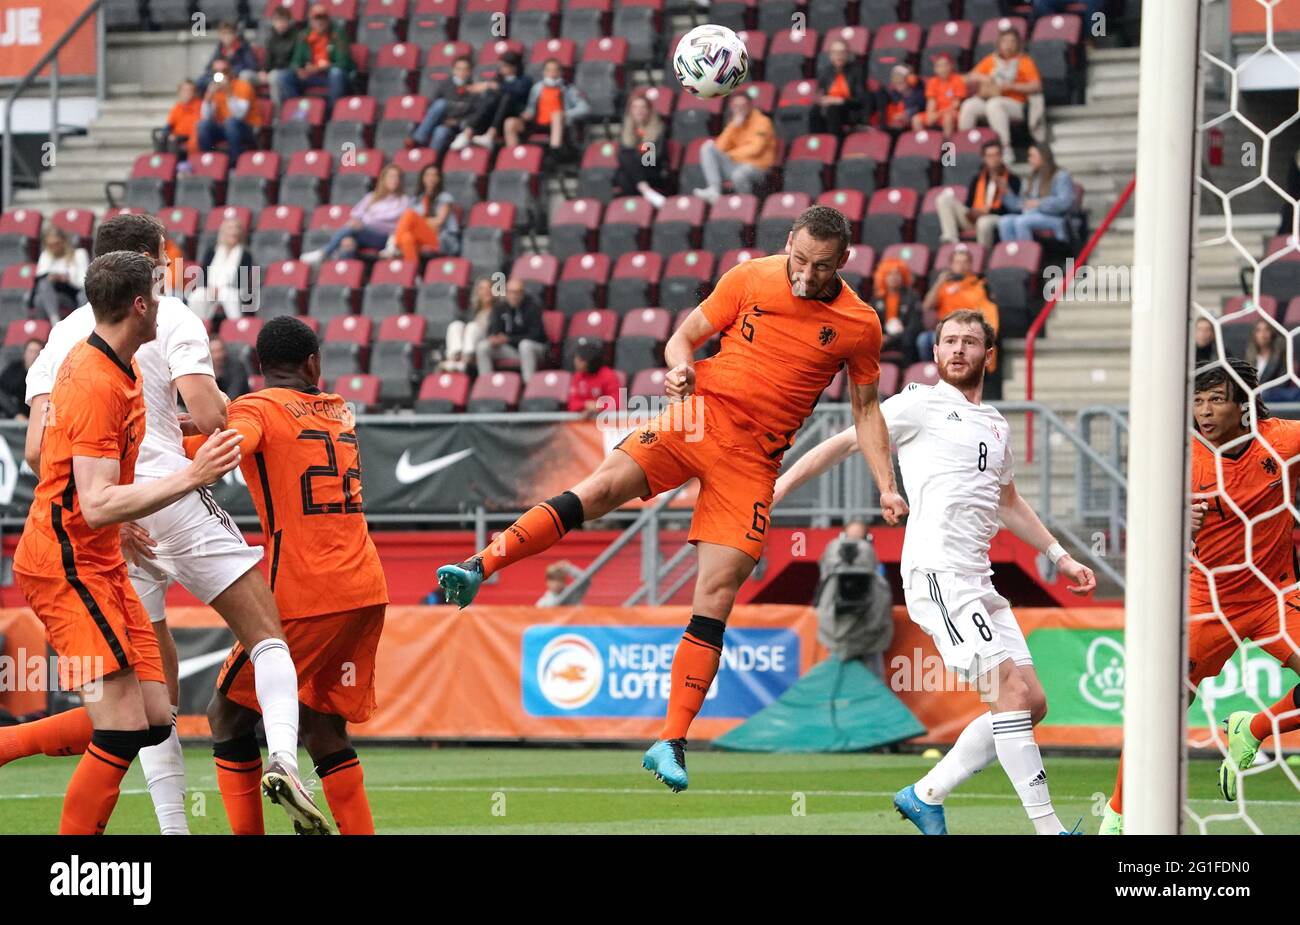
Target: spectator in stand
x: 904, y: 98
x: 642, y: 153
x: 230, y: 372
x: 449, y: 108
x: 280, y: 44
x: 60, y: 275
x: 1047, y: 201
x: 373, y: 221
x: 943, y: 95
x: 1006, y: 88
x: 464, y: 333
x: 593, y: 386
x: 516, y: 333
x: 985, y: 200
x: 228, y: 268
x: 231, y: 48
x: 182, y: 131
x: 486, y: 98
x: 899, y: 308
x: 742, y: 154
x: 842, y: 80
x: 512, y: 93
x: 430, y: 222
x: 1267, y: 353
x: 230, y: 113
x: 1205, y: 349
x: 956, y: 288
x: 558, y: 576
x: 13, y: 382
x: 322, y: 57
x: 553, y: 106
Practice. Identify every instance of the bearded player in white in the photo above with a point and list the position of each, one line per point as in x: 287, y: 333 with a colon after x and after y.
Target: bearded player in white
x: 955, y: 456
x: 193, y: 542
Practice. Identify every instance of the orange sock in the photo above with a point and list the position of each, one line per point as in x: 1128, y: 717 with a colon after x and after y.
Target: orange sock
x: 66, y: 733
x: 1117, y: 798
x: 1261, y: 724
x: 539, y: 529
x: 344, y: 784
x: 695, y: 664
x: 93, y: 791
x: 239, y: 778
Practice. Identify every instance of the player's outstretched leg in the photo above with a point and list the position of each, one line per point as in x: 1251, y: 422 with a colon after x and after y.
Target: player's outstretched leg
x: 63, y: 734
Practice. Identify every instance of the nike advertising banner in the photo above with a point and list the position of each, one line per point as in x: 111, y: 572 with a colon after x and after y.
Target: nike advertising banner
x: 412, y: 465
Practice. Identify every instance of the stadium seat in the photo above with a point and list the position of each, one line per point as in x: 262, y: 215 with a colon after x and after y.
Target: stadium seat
x: 400, y: 117
x: 687, y: 279
x: 212, y: 224
x: 915, y: 163
x: 494, y: 393
x: 16, y: 282
x: 563, y: 50
x: 891, y: 217
x: 641, y: 340
x: 943, y: 256
x: 584, y: 20
x: 862, y: 161
x: 694, y: 118
x: 203, y: 184
x: 394, y: 71
x: 325, y: 220
x: 398, y: 359
x: 481, y: 21
x: 600, y: 73
x: 548, y: 390
x: 485, y: 67
x: 383, y: 23
x: 351, y: 124
x: 641, y: 22
x: 77, y: 224
x: 465, y: 174
x: 929, y: 13
x: 834, y: 391
x: 433, y: 22
x: 894, y: 44
x: 539, y: 273
x: 553, y: 324
x: 858, y: 268
x: 488, y: 240
x: 443, y: 294
x: 809, y: 166
x: 927, y: 224
x: 848, y: 201
x: 573, y: 227
x: 889, y: 376
x: 17, y: 333
x: 796, y: 109
x: 256, y: 180
x: 299, y: 126
x: 1250, y: 308
x: 596, y: 171
x: 677, y: 225
x: 588, y: 326
x: 1279, y: 274
x: 626, y: 226
x: 284, y: 288
x: 925, y: 372
x: 442, y: 393
x: 516, y: 178
x: 954, y: 38
x: 124, y: 15
x: 736, y: 257
x: 967, y: 156
x: 411, y: 162
x: 916, y: 256
x: 790, y: 55
x: 634, y: 281
x: 337, y: 290
x: 152, y: 182
x: 774, y: 15
x: 987, y: 39
x: 582, y: 284
x: 662, y: 100
x: 648, y: 383
x: 182, y: 227
x: 306, y: 181
x: 361, y: 390
x: 774, y: 220
x: 1014, y: 283
x: 731, y: 223
x: 1291, y: 318
x: 391, y: 289
x: 345, y: 349
x: 240, y: 336
x: 736, y: 15
x: 1055, y: 47
x: 438, y: 62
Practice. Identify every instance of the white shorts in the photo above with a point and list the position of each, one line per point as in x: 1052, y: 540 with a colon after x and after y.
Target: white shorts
x: 971, y: 624
x: 199, y: 547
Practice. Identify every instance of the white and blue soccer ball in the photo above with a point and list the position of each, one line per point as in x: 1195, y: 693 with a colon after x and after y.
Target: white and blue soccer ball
x: 711, y: 61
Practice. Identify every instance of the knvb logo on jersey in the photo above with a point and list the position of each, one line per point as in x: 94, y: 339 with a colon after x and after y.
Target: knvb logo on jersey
x: 616, y: 671
x: 826, y: 335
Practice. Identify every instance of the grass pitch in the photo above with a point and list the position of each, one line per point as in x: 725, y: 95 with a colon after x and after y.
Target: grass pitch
x: 525, y: 791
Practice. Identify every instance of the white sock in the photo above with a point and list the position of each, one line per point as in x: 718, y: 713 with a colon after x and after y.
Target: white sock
x: 1013, y: 736
x: 276, y: 681
x: 164, y: 773
x: 971, y: 753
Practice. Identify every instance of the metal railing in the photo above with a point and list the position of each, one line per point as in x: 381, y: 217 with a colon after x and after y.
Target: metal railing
x: 51, y: 60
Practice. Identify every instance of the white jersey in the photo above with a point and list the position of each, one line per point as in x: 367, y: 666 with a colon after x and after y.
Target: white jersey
x: 180, y: 349
x: 955, y: 458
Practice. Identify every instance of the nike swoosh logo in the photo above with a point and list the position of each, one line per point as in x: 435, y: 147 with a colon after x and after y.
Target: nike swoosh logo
x: 408, y: 472
x: 195, y: 664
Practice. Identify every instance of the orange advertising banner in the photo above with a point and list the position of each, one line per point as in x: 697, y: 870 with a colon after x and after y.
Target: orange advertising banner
x: 1249, y: 16
x: 29, y: 29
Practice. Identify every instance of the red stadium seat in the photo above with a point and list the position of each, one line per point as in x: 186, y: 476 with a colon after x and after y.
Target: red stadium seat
x: 916, y: 256
x: 325, y: 220
x: 896, y: 43
x: 548, y: 390
x: 641, y: 339
x: 635, y: 280
x: 394, y: 71
x: 736, y: 15
x: 848, y: 201
x: 601, y: 72
x: 796, y: 109
x: 345, y: 348
x: 582, y: 285
x: 539, y: 273
x: 398, y: 358
x: 967, y: 156
x: 465, y: 174
x: 407, y: 329
x: 306, y: 180
x: 1249, y: 308
x: 438, y: 62
x: 299, y: 126
x: 642, y: 21
x: 284, y: 288
x: 891, y: 217
x: 77, y: 224
x: 361, y: 390
x: 626, y: 226
x: 731, y: 222
x: 383, y: 22
x: 553, y: 324
x: 337, y: 290
x: 648, y: 383
x: 987, y: 40
x: 391, y: 289
x: 858, y: 268
x: 443, y: 294
x: 597, y: 170
x: 695, y: 118
x: 356, y: 176
x: 411, y: 162
x: 774, y: 221
x: 1014, y: 284
x: 256, y: 180
x: 790, y: 55
x: 927, y: 225
x: 152, y: 182
x: 401, y: 115
x: 915, y: 163
x: 736, y: 257
x: 756, y: 44
x: 856, y: 38
x: 443, y: 393
x: 278, y: 235
x: 182, y: 227
x: 978, y: 258
x: 517, y: 179
x: 687, y: 279
x: 351, y: 123
x: 488, y: 240
x: 16, y: 284
x: 212, y: 224
x: 661, y: 99
x: 480, y: 20
x: 242, y: 330
x: 955, y: 38
x: 583, y: 20
x: 677, y: 225
x: 433, y: 22
x: 809, y: 166
x: 925, y: 372
x: 19, y: 332
x: 889, y: 376
x: 573, y: 227
x: 862, y: 161
x: 203, y: 185
x: 485, y: 67
x: 495, y: 392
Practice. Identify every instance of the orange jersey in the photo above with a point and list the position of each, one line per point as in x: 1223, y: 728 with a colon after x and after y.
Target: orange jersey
x: 779, y: 352
x: 1257, y: 481
x: 303, y: 468
x: 96, y: 409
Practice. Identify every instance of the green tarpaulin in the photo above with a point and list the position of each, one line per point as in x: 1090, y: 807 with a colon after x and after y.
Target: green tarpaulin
x: 836, y: 707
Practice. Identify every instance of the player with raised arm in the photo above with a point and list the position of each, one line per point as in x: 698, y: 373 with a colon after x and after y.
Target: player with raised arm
x: 69, y: 561
x: 192, y: 542
x: 788, y: 322
x: 1235, y: 593
x: 955, y: 456
x: 303, y: 469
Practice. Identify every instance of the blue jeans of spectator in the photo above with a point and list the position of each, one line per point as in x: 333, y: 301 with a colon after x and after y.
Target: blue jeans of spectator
x: 361, y: 237
x: 336, y: 79
x: 431, y: 133
x: 236, y: 133
x: 1047, y: 7
x: 925, y: 347
x: 1022, y: 227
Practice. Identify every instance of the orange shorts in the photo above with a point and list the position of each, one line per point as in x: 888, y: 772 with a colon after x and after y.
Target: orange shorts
x: 335, y: 657
x: 1210, y: 644
x: 736, y: 479
x: 96, y: 624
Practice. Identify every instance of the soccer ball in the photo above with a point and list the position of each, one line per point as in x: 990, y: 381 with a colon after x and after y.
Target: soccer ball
x: 711, y: 61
